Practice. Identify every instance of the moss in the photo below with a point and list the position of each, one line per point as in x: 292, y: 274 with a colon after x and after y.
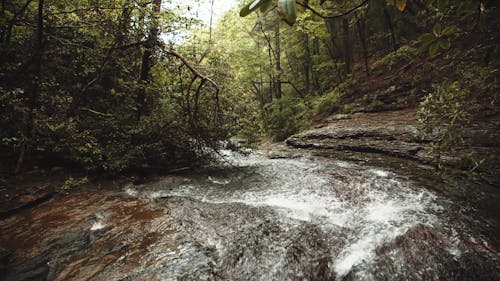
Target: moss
x: 376, y: 104
x: 403, y: 54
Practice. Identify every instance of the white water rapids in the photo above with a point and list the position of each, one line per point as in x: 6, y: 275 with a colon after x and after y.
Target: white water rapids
x: 301, y: 218
x: 368, y: 205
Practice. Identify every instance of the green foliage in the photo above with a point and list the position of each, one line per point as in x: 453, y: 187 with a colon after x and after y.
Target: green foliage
x: 12, y: 113
x: 251, y: 133
x: 348, y: 108
x: 403, y: 54
x: 438, y: 39
x: 376, y: 104
x: 287, y: 117
x: 326, y: 104
x: 441, y: 116
x: 72, y: 183
x: 93, y: 107
x: 87, y: 108
x: 246, y: 122
x: 479, y: 78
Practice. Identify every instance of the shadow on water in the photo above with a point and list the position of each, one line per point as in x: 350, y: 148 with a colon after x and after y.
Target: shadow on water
x: 255, y: 218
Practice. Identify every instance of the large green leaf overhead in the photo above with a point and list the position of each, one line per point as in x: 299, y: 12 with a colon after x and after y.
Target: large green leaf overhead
x: 287, y: 10
x: 253, y: 6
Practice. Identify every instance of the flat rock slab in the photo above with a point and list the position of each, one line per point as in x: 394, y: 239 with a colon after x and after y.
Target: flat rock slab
x: 395, y: 133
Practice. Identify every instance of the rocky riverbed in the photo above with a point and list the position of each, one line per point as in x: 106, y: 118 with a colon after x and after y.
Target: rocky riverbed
x: 281, y: 214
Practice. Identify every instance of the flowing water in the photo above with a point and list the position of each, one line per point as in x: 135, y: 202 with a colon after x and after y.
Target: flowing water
x: 255, y: 218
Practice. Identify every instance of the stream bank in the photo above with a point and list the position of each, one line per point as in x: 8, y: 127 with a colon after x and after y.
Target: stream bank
x: 395, y: 133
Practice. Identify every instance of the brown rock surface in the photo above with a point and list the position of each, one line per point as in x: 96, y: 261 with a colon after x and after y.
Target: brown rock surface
x: 396, y: 133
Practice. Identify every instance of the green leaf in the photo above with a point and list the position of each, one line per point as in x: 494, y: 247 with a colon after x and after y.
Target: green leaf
x: 422, y: 49
x: 434, y: 49
x: 426, y: 38
x: 287, y: 10
x: 250, y: 7
x: 445, y: 44
x: 437, y: 29
x: 449, y: 30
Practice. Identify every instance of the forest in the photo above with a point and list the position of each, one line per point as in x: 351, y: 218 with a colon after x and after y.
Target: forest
x: 249, y: 140
x: 110, y: 86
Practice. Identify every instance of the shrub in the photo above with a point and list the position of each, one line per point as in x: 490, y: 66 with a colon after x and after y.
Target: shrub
x: 71, y: 183
x: 441, y: 115
x: 287, y: 117
x: 376, y: 104
x: 403, y: 54
x: 326, y: 104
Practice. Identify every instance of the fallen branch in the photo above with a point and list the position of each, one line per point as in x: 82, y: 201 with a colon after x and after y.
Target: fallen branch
x: 192, y: 69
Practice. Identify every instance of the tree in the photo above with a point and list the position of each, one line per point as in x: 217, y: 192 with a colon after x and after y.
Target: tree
x: 93, y: 67
x: 147, y: 56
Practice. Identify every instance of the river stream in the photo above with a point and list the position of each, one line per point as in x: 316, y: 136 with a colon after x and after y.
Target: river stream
x: 255, y: 218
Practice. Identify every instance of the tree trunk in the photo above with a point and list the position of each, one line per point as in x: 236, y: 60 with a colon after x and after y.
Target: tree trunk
x: 315, y: 74
x: 347, y: 45
x: 391, y: 29
x: 10, y: 26
x: 330, y: 24
x: 270, y: 74
x: 331, y: 54
x: 362, y: 38
x: 27, y: 143
x: 147, y: 59
x: 124, y: 24
x: 277, y: 49
x: 307, y: 64
x: 2, y: 15
x: 260, y: 92
x: 38, y: 62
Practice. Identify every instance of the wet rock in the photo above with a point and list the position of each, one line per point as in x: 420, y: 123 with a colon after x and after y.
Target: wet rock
x: 32, y: 271
x: 4, y: 259
x: 44, y: 265
x: 335, y: 117
x: 425, y: 253
x: 55, y: 170
x: 308, y: 218
x: 396, y: 133
x: 364, y: 133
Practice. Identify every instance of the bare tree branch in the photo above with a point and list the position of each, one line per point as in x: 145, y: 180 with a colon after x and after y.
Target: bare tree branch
x: 96, y: 112
x: 306, y: 6
x: 174, y: 53
x: 14, y: 19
